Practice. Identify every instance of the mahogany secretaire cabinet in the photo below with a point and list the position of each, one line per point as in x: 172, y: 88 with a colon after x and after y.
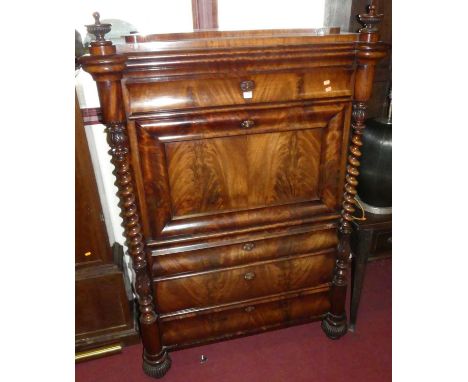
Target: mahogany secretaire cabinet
x: 235, y: 178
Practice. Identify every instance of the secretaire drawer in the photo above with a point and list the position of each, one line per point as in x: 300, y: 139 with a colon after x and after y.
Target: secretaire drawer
x: 207, y: 172
x: 232, y: 284
x: 178, y: 260
x: 237, y: 319
x: 231, y: 89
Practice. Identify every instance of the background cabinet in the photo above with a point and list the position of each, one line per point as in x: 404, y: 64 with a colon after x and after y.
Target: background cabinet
x: 104, y: 308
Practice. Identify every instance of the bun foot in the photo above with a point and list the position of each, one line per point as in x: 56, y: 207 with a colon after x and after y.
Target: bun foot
x: 157, y: 369
x: 335, y: 326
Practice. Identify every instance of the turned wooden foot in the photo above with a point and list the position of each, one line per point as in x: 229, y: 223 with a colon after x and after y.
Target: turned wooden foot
x: 157, y: 369
x: 334, y: 326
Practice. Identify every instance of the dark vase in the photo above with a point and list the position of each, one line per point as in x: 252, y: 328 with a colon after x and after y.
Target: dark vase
x: 375, y: 179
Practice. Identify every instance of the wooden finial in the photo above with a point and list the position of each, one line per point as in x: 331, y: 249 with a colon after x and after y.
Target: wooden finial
x: 97, y: 29
x: 96, y: 16
x: 370, y: 20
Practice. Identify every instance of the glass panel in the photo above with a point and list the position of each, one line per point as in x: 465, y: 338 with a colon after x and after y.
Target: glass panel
x: 268, y: 14
x: 144, y: 16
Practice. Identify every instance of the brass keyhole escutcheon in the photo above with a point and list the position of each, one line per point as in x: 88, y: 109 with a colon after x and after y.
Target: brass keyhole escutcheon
x: 247, y: 124
x: 248, y: 246
x: 249, y: 276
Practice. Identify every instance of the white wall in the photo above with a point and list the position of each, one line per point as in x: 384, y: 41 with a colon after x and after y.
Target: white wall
x: 103, y: 169
x: 148, y: 16
x: 270, y: 14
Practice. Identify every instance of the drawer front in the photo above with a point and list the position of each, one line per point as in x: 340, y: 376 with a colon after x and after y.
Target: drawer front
x: 243, y: 282
x: 184, y: 330
x: 241, y: 89
x: 206, y: 173
x: 169, y: 262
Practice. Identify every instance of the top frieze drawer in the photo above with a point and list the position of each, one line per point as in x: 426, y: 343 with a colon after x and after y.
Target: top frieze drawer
x: 172, y: 93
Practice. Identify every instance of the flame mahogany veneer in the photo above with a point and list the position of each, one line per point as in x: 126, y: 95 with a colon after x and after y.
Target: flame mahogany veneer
x: 231, y: 155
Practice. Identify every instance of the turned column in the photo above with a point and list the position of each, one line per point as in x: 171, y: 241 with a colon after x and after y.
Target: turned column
x: 368, y: 52
x: 106, y: 68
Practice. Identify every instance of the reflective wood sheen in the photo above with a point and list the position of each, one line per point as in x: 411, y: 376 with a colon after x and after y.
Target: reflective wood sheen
x: 208, y: 288
x: 167, y: 261
x: 221, y: 90
x: 206, y: 172
x: 246, y: 318
x: 231, y: 173
x: 235, y: 167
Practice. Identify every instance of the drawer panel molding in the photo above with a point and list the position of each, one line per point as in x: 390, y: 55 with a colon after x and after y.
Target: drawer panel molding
x: 174, y: 293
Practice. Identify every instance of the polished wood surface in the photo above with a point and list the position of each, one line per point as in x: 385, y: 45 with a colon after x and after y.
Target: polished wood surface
x: 102, y: 306
x: 254, y: 248
x: 213, y: 174
x: 231, y: 154
x: 378, y: 102
x: 91, y: 240
x: 244, y: 37
x: 104, y: 315
x: 244, y: 318
x: 210, y: 90
x: 233, y: 173
x: 188, y: 291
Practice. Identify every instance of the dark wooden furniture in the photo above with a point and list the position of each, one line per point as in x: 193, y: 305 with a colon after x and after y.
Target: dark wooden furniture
x: 372, y: 238
x: 104, y: 315
x: 378, y: 102
x: 230, y: 151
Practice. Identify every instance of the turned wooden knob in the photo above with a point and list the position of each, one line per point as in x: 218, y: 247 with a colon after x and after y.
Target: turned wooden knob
x: 97, y: 29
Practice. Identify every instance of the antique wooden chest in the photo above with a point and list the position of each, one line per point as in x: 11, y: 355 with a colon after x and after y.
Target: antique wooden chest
x: 236, y: 186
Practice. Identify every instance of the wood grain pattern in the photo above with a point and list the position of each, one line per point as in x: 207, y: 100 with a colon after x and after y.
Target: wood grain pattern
x: 246, y: 60
x: 103, y: 313
x: 207, y: 172
x: 246, y: 318
x: 106, y: 68
x: 242, y: 282
x: 166, y: 262
x: 218, y: 170
x: 194, y: 37
x: 259, y: 170
x: 224, y: 89
x: 220, y: 90
x: 101, y: 305
x: 213, y: 40
x: 369, y: 52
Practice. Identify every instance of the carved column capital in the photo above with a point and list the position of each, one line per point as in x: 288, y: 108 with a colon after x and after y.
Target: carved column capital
x: 359, y: 112
x: 118, y: 140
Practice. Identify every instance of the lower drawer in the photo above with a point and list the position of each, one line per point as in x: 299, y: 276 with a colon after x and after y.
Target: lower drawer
x: 246, y: 318
x: 221, y: 255
x: 244, y: 282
